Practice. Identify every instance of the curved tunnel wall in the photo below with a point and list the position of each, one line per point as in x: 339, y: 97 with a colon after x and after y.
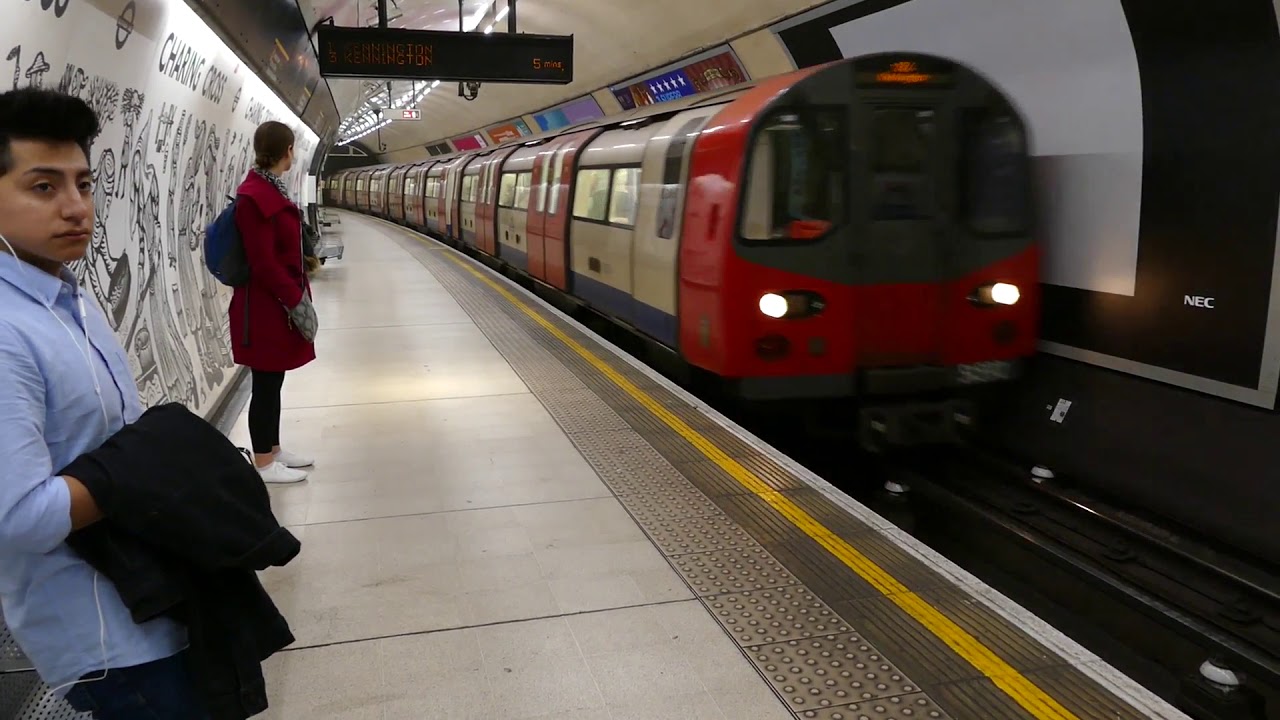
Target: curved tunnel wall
x: 178, y: 111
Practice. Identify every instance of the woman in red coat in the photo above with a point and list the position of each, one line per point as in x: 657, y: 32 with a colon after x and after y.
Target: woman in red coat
x: 269, y: 314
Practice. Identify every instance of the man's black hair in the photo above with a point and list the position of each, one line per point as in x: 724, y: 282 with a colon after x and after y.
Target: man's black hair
x: 37, y: 114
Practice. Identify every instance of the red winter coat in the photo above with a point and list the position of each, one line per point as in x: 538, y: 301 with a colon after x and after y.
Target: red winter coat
x: 271, y: 229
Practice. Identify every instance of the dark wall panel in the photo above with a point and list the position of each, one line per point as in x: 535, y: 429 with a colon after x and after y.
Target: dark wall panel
x: 273, y: 39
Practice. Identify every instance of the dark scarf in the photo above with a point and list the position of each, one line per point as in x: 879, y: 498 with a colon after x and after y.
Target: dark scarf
x: 274, y: 180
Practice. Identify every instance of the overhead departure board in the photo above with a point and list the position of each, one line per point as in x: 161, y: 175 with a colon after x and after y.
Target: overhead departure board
x: 398, y: 53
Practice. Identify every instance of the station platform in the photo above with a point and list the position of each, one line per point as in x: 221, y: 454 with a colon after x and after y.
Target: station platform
x: 509, y: 518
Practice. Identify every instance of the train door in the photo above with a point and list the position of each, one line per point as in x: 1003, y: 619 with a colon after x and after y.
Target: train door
x: 481, y: 226
x: 559, y: 207
x: 469, y: 173
x: 419, y: 218
x: 449, y: 200
x: 488, y: 232
x: 535, y: 227
x: 907, y: 247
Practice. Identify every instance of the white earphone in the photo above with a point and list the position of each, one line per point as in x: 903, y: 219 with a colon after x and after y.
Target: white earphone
x: 87, y: 353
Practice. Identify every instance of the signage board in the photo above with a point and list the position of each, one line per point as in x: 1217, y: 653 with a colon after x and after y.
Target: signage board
x: 712, y: 71
x: 508, y: 131
x: 401, y: 114
x: 401, y: 53
x: 469, y: 142
x: 571, y: 113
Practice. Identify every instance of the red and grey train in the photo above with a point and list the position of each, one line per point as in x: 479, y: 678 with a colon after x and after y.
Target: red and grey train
x: 860, y: 230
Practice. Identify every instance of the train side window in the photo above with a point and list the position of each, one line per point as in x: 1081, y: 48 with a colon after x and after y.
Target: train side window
x: 557, y: 169
x: 995, y: 193
x: 591, y: 194
x: 468, y: 188
x: 523, y: 182
x: 622, y: 201
x: 796, y: 177
x: 507, y: 196
x: 543, y: 180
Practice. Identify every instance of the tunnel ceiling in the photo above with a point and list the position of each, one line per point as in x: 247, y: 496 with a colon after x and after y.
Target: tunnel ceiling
x: 613, y: 40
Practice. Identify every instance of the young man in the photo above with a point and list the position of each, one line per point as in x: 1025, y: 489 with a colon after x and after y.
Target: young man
x: 65, y: 387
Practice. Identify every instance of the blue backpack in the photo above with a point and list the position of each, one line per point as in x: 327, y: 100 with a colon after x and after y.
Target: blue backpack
x: 224, y: 251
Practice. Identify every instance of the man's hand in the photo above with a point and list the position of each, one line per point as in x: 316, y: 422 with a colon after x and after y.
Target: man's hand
x: 84, y: 509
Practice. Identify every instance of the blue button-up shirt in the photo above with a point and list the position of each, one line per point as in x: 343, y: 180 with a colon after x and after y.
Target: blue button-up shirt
x: 51, y: 412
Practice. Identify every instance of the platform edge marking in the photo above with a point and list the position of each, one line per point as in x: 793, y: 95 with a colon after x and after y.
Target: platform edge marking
x: 1024, y: 692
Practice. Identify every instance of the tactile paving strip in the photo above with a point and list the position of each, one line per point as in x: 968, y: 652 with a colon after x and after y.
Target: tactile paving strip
x: 775, y: 615
x: 737, y: 570
x: 638, y: 462
x: 916, y: 706
x: 697, y: 535
x: 673, y: 503
x: 833, y: 670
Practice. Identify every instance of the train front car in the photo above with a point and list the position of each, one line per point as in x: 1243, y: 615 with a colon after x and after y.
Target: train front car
x: 863, y: 230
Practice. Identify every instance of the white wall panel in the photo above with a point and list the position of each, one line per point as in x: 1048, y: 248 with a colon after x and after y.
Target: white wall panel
x: 178, y: 112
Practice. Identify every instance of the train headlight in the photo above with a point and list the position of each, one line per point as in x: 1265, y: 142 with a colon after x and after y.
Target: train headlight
x: 997, y: 294
x: 773, y: 305
x: 1005, y: 294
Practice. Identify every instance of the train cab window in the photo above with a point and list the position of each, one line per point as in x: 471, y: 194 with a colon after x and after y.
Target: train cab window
x: 903, y: 141
x: 544, y: 180
x: 523, y: 186
x: 796, y: 178
x: 507, y: 195
x: 557, y: 167
x: 591, y: 194
x: 995, y: 184
x: 624, y: 196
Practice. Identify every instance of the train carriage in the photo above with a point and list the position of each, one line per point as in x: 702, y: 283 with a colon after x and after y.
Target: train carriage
x: 861, y: 229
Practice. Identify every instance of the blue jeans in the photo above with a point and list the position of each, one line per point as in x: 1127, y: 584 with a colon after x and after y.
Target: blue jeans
x: 160, y: 690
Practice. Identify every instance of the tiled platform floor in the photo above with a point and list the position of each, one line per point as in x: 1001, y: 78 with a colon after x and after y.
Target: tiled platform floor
x: 460, y: 558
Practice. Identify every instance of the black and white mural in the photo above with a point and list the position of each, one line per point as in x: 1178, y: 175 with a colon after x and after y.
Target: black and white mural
x: 1157, y: 166
x: 178, y: 111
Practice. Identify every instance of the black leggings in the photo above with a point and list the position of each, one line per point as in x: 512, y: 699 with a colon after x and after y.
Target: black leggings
x: 264, y: 411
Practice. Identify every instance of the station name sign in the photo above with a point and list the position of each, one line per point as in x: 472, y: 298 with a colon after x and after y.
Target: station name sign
x: 403, y: 54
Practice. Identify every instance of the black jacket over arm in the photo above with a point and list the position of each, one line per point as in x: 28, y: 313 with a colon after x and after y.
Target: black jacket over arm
x: 187, y: 523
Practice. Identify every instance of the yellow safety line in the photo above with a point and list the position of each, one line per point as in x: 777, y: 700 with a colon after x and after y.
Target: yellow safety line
x: 1013, y: 683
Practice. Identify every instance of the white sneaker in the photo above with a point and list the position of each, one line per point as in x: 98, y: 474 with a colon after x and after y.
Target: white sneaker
x: 277, y: 473
x: 290, y: 460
